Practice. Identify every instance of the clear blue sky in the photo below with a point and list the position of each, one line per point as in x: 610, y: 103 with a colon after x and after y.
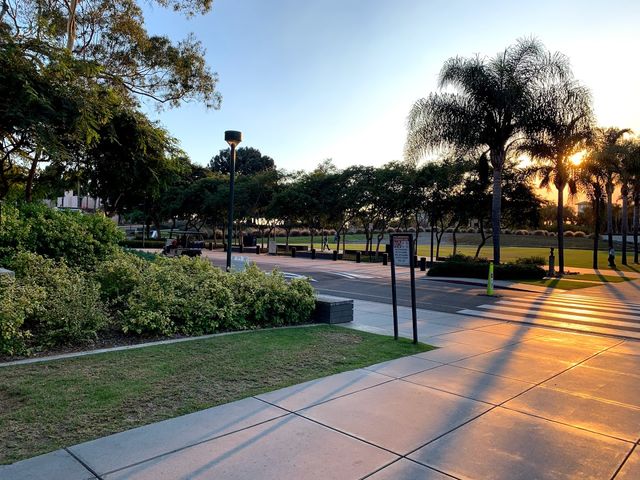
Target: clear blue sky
x: 306, y: 80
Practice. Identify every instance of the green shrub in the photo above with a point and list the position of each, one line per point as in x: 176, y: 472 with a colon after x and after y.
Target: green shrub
x: 192, y: 297
x: 15, y: 300
x: 81, y: 240
x: 459, y: 257
x: 59, y: 305
x: 179, y: 296
x: 267, y: 300
x: 508, y: 271
x: 119, y: 275
x: 534, y: 260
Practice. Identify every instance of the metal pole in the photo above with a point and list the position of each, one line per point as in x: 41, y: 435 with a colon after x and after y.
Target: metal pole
x: 232, y: 171
x: 414, y: 314
x: 394, y: 297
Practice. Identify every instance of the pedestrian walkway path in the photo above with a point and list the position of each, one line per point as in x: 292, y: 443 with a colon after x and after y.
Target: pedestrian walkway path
x: 497, y: 400
x: 593, y: 314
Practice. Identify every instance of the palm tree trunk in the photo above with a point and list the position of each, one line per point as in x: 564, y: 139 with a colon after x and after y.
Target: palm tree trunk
x: 625, y: 206
x: 610, y: 215
x: 496, y: 204
x: 560, y: 221
x: 596, y: 236
x: 636, y: 198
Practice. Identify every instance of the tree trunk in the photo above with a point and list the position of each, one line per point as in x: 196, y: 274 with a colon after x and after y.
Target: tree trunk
x: 624, y: 224
x: 596, y: 236
x: 71, y: 24
x: 439, y: 235
x: 380, y: 238
x: 636, y: 198
x: 431, y: 243
x: 483, y: 239
x: 610, y: 214
x: 287, y: 232
x: 496, y: 204
x: 455, y: 239
x: 311, y: 232
x: 560, y: 222
x: 28, y: 189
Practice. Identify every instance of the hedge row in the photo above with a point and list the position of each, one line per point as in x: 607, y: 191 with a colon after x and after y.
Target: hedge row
x: 51, y: 304
x: 469, y: 268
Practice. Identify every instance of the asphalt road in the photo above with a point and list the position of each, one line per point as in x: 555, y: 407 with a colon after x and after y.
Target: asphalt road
x: 372, y: 282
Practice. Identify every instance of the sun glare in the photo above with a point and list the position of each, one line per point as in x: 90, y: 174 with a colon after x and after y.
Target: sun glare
x: 576, y: 158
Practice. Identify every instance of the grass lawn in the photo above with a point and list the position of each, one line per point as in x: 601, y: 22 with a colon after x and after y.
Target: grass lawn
x: 573, y: 282
x: 572, y: 257
x: 599, y: 278
x: 561, y: 283
x: 50, y: 405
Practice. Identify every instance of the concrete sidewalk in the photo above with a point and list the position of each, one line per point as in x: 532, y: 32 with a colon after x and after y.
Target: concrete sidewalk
x: 497, y: 400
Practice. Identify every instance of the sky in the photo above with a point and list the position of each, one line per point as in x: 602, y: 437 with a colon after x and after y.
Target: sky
x: 307, y: 80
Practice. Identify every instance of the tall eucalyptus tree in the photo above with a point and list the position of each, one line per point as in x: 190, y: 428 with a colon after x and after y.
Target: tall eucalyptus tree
x: 564, y: 128
x: 488, y: 110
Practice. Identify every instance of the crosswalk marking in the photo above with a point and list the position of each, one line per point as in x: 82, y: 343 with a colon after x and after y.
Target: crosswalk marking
x: 567, y: 311
x: 352, y: 275
x: 574, y: 304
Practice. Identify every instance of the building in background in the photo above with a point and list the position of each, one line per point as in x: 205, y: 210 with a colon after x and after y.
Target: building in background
x: 71, y: 201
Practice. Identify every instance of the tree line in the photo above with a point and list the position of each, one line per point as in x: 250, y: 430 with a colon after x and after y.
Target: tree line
x: 73, y: 76
x: 525, y: 102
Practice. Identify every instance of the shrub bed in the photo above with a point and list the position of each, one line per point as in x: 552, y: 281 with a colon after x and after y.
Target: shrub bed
x: 82, y: 240
x: 50, y: 304
x: 467, y: 267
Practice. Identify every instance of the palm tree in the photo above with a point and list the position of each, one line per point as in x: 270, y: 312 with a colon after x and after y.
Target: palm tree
x: 607, y: 155
x: 488, y: 111
x: 629, y: 181
x: 563, y: 129
x: 592, y: 179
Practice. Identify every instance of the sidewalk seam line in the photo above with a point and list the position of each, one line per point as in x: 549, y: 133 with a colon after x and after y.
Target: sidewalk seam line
x: 84, y: 464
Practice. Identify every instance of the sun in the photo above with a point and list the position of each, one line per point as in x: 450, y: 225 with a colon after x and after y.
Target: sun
x: 576, y: 158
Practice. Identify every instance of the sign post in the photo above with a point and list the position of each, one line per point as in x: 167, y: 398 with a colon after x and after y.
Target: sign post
x: 402, y: 255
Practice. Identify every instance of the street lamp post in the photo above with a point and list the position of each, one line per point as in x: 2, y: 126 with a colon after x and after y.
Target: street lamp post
x: 233, y: 138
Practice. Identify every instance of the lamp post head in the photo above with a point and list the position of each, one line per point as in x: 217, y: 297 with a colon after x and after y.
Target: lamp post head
x: 232, y: 137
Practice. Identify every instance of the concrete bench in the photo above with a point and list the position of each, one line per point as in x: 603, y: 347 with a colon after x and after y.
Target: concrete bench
x: 332, y: 310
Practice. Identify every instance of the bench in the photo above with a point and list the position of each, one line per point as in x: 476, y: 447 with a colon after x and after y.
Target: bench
x: 332, y: 310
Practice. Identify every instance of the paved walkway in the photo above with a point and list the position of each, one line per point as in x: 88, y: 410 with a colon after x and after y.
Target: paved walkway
x: 498, y: 400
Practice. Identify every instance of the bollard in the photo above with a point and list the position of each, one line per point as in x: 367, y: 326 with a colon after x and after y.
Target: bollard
x: 385, y: 258
x: 490, y: 280
x: 552, y: 263
x: 335, y: 255
x: 313, y: 254
x: 257, y: 249
x: 293, y: 252
x: 358, y: 257
x: 423, y: 264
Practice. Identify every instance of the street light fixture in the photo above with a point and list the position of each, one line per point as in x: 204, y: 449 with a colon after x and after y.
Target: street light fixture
x: 233, y: 138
